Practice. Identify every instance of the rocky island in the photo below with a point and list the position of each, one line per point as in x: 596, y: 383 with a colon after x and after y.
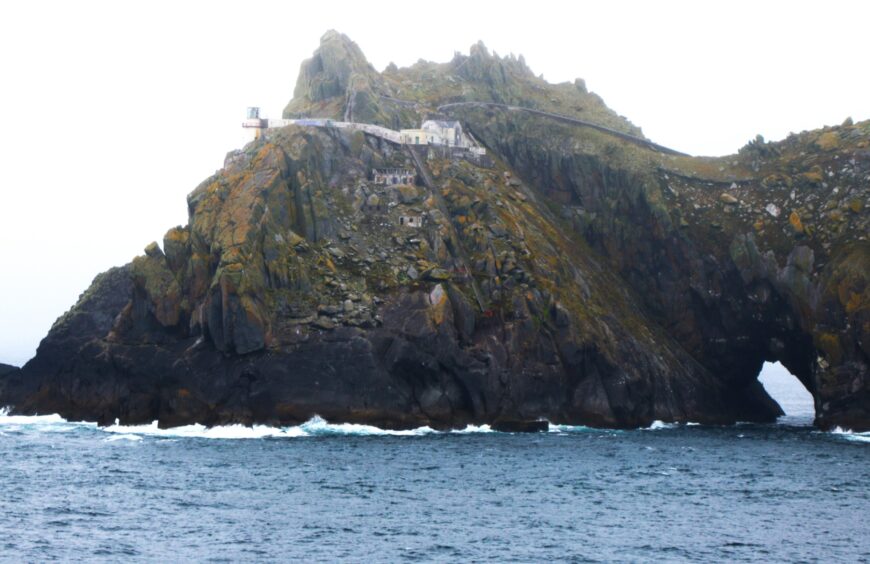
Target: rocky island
x: 565, y: 269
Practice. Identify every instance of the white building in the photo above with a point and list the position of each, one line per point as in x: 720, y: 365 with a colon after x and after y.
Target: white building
x: 436, y: 132
x: 446, y: 133
x: 389, y: 176
x: 419, y: 137
x: 450, y: 132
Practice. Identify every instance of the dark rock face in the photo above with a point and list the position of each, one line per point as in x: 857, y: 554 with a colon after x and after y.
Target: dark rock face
x: 89, y: 319
x: 506, y: 426
x: 734, y: 286
x: 579, y: 279
x: 6, y: 373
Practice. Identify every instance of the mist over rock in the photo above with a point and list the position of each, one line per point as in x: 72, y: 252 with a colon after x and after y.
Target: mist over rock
x: 577, y: 272
x: 331, y: 70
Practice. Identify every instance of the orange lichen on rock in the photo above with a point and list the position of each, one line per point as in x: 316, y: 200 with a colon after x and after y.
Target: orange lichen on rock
x: 795, y: 221
x: 828, y: 141
x: 829, y: 343
x: 151, y: 273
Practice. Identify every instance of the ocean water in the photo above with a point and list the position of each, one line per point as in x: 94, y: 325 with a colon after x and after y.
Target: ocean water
x: 321, y: 492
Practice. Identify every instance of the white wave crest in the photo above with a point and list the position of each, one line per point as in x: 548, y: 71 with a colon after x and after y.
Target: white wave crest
x: 851, y: 435
x: 658, y: 425
x: 314, y: 427
x: 53, y: 423
x: 6, y: 419
x: 570, y: 428
x: 470, y: 429
x: 125, y: 437
x: 197, y: 431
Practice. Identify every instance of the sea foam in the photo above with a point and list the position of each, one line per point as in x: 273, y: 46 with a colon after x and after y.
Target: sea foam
x: 314, y: 427
x: 659, y: 425
x: 851, y: 435
x: 554, y: 428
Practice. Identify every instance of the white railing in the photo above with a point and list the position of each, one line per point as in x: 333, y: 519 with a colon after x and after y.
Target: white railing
x: 375, y: 130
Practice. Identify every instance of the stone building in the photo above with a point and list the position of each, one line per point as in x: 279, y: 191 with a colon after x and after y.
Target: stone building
x: 411, y: 220
x: 373, y: 203
x: 390, y: 176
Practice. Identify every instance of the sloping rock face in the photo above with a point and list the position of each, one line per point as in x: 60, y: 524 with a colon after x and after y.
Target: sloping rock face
x: 757, y: 257
x: 578, y: 277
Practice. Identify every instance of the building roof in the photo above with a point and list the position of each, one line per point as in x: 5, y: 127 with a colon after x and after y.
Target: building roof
x: 392, y: 171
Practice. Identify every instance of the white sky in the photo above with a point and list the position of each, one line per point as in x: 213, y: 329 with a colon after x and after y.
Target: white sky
x: 789, y: 393
x: 113, y: 111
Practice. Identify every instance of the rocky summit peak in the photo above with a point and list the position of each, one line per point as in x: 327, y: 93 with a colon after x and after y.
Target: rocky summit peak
x: 497, y: 72
x: 479, y: 50
x: 339, y: 83
x: 336, y: 46
x: 334, y: 35
x: 330, y: 70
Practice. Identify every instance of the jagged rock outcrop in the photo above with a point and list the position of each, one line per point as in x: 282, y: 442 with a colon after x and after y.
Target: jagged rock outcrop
x: 577, y: 277
x: 338, y: 82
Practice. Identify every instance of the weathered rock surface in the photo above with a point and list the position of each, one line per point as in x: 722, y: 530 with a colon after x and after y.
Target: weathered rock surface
x: 578, y: 278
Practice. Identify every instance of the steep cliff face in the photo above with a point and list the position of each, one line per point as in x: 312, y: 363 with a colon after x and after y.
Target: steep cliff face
x: 578, y: 276
x: 753, y: 257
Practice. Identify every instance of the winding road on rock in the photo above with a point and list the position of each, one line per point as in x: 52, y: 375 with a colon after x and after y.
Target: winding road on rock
x: 568, y: 119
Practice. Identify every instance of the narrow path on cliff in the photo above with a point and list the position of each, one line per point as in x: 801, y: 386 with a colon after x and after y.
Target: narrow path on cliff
x: 559, y: 117
x: 571, y: 120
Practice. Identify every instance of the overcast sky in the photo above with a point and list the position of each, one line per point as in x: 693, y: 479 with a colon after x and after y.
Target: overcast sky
x: 112, y: 112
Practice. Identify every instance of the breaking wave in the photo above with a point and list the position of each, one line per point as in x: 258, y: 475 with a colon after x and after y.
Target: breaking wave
x: 851, y: 435
x: 658, y: 425
x: 314, y: 427
x: 571, y: 428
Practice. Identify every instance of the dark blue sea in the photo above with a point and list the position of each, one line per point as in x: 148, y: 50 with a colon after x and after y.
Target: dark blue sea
x: 320, y: 492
